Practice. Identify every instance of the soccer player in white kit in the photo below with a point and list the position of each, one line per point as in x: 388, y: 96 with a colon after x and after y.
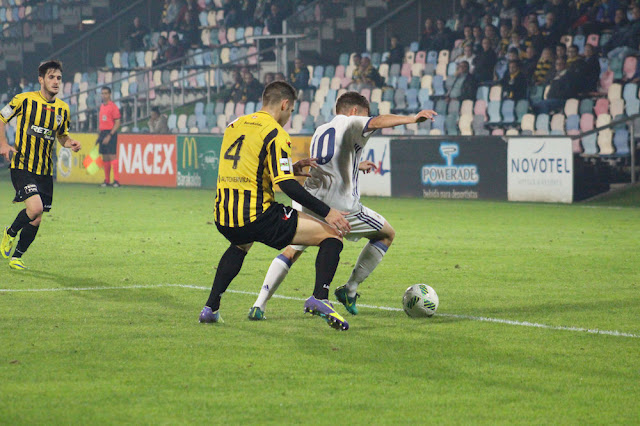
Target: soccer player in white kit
x: 336, y: 147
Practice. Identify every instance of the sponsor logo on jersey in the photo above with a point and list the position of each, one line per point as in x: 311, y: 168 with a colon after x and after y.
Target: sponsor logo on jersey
x: 30, y: 189
x: 41, y: 132
x: 450, y: 174
x: 285, y: 164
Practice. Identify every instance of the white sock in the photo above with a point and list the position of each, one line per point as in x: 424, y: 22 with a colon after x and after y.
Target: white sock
x: 275, y: 275
x: 369, y: 258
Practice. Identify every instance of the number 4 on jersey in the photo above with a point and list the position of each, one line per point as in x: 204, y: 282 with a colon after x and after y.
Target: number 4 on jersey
x: 236, y: 156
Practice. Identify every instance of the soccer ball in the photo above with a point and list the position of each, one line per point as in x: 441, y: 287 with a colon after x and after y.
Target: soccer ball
x: 420, y: 300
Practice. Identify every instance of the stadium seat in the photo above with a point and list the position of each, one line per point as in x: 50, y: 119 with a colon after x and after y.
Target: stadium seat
x: 454, y: 108
x: 451, y: 125
x: 542, y: 124
x: 439, y: 123
x: 478, y: 125
x: 605, y: 142
x: 593, y: 39
x: 480, y: 108
x: 432, y: 57
x: 497, y: 132
x: 482, y: 93
x: 616, y: 107
x: 527, y: 124
x: 508, y: 111
x: 464, y: 124
x: 614, y: 91
x: 557, y: 124
x: 466, y: 107
x: 522, y: 107
x: 572, y: 122
x: 632, y: 107
x: 586, y: 106
x: 621, y: 142
x: 575, y: 142
x: 579, y: 41
x: 438, y: 86
x: 512, y: 132
x: 421, y: 57
x: 586, y: 122
x: 441, y: 107
x: 493, y: 109
x: 602, y: 106
x: 571, y: 107
x: 589, y: 144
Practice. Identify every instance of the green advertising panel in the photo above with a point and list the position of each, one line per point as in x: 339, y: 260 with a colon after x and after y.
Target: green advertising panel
x: 198, y: 158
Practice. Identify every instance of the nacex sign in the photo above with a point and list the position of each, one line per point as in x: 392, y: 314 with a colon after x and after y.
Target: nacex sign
x: 148, y: 160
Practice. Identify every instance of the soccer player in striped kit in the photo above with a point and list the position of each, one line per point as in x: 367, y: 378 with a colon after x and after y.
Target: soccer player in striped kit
x: 41, y: 119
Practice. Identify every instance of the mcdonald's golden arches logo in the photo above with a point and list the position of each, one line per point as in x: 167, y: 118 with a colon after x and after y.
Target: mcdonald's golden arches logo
x: 190, y: 147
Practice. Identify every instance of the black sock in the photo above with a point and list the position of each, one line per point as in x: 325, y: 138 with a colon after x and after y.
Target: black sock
x: 21, y: 220
x: 27, y: 236
x: 326, y: 265
x: 229, y: 266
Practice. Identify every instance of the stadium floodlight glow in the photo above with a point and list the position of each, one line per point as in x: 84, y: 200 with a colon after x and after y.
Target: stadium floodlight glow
x: 88, y: 21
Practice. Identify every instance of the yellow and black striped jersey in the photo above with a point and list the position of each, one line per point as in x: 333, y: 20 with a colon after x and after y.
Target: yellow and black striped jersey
x: 255, y: 154
x: 39, y: 121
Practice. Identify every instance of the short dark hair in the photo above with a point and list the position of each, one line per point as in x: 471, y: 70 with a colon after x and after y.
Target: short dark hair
x: 107, y: 88
x: 156, y: 110
x: 349, y: 100
x: 515, y: 62
x: 49, y: 65
x: 278, y: 91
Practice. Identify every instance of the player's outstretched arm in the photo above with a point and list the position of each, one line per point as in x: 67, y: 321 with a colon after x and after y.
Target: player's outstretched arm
x: 333, y: 217
x: 298, y: 166
x: 5, y: 148
x: 67, y: 142
x: 391, y: 120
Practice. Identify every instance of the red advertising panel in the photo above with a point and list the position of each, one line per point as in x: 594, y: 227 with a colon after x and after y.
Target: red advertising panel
x: 148, y: 160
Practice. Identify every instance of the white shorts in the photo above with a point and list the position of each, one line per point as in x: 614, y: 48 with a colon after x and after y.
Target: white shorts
x: 364, y: 223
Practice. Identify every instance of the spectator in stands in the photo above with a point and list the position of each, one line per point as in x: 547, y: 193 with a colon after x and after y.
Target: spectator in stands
x: 534, y: 37
x: 136, y: 34
x: 575, y: 63
x: 174, y: 51
x: 514, y: 83
x: 464, y: 84
x: 252, y: 89
x: 551, y: 31
x: 269, y: 78
x: 442, y: 37
x: 396, y: 52
x: 620, y: 20
x: 562, y: 88
x: 561, y: 50
x: 280, y: 77
x: 478, y: 35
x: 427, y: 35
x: 491, y: 34
x: 485, y: 62
x: 273, y: 20
x: 606, y: 13
x: 188, y: 27
x: 300, y: 75
x: 162, y: 48
x: 529, y: 63
x: 508, y: 11
x: 543, y: 73
x: 516, y: 42
x: 592, y: 69
x: 158, y: 122
x: 357, y: 59
x: 516, y: 25
x: 626, y: 37
x: 467, y: 56
x: 505, y: 40
x: 366, y: 76
x: 25, y: 85
x: 12, y: 88
x: 467, y: 15
x: 469, y: 39
x: 561, y: 11
x: 237, y: 86
x: 232, y: 14
x: 173, y: 12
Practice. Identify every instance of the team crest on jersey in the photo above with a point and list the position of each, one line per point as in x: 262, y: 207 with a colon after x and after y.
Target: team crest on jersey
x: 285, y: 164
x: 58, y: 119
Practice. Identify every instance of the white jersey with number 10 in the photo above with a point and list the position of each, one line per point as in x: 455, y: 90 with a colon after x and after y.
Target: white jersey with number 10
x: 338, y: 146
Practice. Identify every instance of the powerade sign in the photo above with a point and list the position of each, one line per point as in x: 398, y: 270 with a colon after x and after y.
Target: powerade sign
x: 453, y: 168
x: 540, y: 170
x: 449, y: 174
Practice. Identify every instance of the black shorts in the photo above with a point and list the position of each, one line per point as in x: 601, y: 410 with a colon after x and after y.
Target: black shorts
x: 28, y: 184
x: 276, y: 228
x: 110, y: 148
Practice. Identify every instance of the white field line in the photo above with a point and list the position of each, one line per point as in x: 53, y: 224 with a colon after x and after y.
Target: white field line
x: 384, y: 308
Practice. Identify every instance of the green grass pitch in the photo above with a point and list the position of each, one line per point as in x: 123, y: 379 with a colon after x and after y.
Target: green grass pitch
x: 128, y: 348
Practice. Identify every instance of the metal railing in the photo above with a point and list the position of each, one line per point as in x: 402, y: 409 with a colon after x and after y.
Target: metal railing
x: 141, y: 103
